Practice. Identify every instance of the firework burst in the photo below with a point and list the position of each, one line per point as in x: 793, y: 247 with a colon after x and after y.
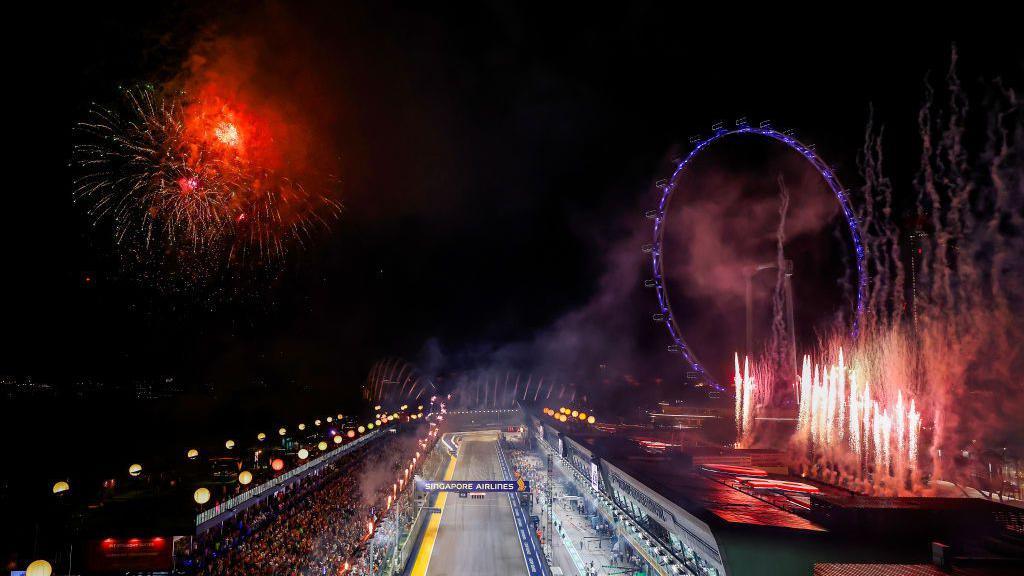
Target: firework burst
x: 188, y: 178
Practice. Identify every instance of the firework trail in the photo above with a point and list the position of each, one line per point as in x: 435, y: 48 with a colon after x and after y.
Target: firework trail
x: 886, y: 301
x: 395, y: 380
x: 779, y: 345
x: 744, y: 384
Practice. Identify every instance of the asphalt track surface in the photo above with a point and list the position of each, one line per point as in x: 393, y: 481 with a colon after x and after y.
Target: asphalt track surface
x: 477, y: 536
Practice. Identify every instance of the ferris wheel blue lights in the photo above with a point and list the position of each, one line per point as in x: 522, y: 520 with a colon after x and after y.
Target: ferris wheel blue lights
x: 670, y: 186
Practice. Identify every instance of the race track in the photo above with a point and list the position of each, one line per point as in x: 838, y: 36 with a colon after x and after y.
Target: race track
x: 477, y: 537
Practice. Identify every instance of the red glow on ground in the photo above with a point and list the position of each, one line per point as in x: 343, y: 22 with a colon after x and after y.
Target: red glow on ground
x: 736, y: 470
x: 782, y: 485
x: 656, y: 444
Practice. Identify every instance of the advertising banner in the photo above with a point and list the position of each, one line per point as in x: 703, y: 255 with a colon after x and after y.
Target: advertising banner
x: 519, y: 485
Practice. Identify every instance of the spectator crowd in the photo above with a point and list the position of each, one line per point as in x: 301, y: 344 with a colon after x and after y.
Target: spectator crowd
x: 317, y: 525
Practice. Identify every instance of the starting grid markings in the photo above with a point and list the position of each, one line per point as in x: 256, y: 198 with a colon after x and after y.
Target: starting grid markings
x: 526, y: 540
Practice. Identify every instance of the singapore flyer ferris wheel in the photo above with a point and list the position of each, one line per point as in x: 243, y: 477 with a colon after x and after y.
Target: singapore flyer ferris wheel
x: 673, y: 186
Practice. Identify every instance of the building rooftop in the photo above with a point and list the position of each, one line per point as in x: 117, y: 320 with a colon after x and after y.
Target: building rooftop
x: 700, y: 495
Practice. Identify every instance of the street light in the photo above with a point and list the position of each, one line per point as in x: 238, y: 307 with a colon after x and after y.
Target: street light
x: 201, y: 496
x: 61, y: 486
x: 261, y: 436
x: 322, y: 445
x: 229, y: 444
x: 245, y: 477
x: 134, y: 470
x: 303, y: 454
x: 192, y: 454
x: 282, y: 431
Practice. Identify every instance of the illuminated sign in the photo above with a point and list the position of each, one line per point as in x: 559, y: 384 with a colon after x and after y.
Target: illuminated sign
x: 129, y: 554
x: 473, y: 486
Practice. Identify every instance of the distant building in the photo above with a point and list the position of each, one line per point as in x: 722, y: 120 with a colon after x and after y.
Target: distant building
x: 8, y: 387
x: 143, y: 390
x: 84, y: 388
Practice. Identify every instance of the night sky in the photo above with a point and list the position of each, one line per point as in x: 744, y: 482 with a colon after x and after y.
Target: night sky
x: 493, y: 157
x: 494, y: 161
